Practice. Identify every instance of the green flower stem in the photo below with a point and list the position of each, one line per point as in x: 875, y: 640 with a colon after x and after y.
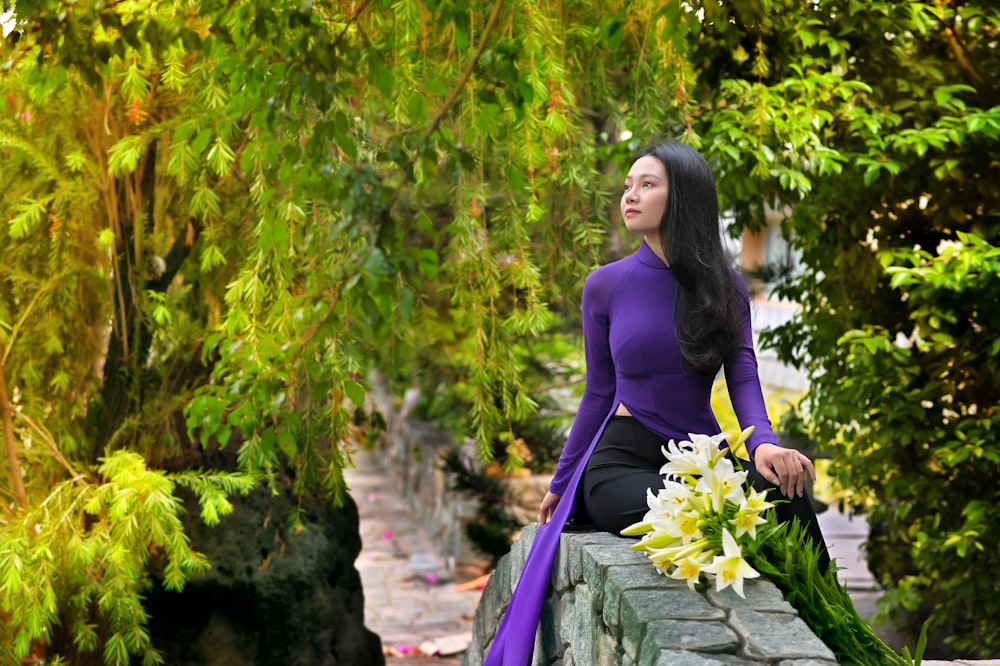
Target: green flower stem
x: 821, y: 600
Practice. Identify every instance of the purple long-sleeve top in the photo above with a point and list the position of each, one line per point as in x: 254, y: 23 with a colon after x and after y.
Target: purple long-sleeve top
x: 633, y: 358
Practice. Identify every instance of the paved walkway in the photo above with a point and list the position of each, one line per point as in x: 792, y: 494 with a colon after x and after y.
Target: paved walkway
x: 413, y: 598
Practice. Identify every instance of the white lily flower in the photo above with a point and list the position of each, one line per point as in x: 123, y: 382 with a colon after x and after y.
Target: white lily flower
x: 673, y: 494
x: 682, y: 462
x: 757, y: 501
x: 682, y: 525
x: 699, y: 481
x: 730, y: 568
x: 666, y: 507
x: 707, y: 446
x: 689, y: 525
x: 749, y: 514
x: 746, y: 521
x: 689, y: 569
x: 722, y: 483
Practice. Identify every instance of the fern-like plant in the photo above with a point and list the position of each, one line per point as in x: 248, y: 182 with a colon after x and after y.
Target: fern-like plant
x: 83, y: 557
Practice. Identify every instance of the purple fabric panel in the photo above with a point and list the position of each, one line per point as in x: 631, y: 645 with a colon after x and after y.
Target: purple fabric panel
x: 514, y: 641
x: 599, y: 390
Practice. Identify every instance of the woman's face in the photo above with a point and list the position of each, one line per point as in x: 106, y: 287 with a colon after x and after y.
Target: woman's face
x: 644, y: 199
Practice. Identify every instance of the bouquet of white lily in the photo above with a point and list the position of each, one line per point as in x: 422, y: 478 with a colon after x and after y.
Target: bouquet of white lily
x: 704, y: 522
x: 700, y: 520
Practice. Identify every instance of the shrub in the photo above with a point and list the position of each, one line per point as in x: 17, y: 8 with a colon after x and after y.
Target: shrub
x: 917, y: 438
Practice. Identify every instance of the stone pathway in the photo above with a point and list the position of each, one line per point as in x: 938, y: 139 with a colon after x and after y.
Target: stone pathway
x: 412, y: 596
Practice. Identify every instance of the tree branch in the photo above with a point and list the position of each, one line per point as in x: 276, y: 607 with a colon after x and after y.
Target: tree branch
x: 179, y: 251
x: 350, y: 21
x: 455, y: 92
x: 960, y: 52
x: 484, y: 38
x: 12, y: 338
x: 56, y: 453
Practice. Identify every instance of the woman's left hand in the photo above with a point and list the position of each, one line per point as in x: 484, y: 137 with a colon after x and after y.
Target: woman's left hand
x: 785, y: 468
x: 548, y: 507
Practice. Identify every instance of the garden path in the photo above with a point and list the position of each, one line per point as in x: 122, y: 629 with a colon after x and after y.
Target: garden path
x: 413, y: 599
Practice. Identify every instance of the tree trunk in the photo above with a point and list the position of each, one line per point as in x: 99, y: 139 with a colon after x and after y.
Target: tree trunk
x: 131, y: 335
x: 16, y: 480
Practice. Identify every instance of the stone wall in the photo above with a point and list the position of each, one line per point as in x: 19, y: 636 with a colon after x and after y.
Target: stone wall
x: 410, y: 451
x: 608, y: 605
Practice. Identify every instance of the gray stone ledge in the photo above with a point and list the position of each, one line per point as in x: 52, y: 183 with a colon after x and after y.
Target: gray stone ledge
x: 759, y: 595
x: 608, y: 605
x: 681, y: 658
x: 689, y: 635
x: 774, y: 636
x: 444, y: 514
x: 642, y: 585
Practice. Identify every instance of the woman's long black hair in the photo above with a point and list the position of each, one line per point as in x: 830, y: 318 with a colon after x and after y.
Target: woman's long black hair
x: 708, y: 308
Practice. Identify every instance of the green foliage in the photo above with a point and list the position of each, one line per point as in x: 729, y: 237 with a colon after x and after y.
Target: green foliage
x: 300, y: 193
x: 550, y: 366
x: 929, y: 398
x: 493, y: 527
x: 83, y: 556
x: 902, y: 99
x: 305, y: 192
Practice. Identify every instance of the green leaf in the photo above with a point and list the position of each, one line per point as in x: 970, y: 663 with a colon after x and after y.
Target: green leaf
x: 124, y: 156
x: 76, y: 161
x: 220, y: 157
x: 416, y: 108
x: 355, y: 392
x: 27, y: 219
x: 106, y: 238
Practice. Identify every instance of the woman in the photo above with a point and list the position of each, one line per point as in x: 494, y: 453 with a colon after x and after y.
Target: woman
x: 657, y: 326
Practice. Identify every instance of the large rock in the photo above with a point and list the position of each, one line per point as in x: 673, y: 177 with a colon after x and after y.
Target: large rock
x: 271, y: 597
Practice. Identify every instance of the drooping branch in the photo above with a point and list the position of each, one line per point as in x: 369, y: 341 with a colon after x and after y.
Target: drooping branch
x: 350, y: 21
x: 467, y: 74
x: 484, y: 39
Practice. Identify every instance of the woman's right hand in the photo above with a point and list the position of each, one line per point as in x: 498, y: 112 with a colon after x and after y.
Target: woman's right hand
x: 548, y: 507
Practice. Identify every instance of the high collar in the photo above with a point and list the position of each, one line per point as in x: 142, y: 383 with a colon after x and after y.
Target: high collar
x: 649, y: 258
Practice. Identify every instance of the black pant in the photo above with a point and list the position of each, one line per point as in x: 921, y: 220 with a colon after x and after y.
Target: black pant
x: 627, y: 461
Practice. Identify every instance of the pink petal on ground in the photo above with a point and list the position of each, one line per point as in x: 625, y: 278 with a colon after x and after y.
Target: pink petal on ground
x: 387, y: 534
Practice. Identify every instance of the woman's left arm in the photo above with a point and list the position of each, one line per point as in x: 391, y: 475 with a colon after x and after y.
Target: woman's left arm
x: 785, y: 468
